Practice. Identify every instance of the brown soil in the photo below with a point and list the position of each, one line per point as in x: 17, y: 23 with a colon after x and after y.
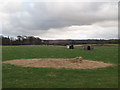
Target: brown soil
x: 58, y: 63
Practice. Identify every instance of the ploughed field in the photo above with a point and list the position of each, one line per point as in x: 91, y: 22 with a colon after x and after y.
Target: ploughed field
x: 15, y: 76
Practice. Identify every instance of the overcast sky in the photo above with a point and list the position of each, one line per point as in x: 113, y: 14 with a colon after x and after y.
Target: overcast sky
x: 60, y: 20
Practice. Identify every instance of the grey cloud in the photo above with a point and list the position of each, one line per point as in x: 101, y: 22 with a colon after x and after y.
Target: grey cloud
x: 40, y: 17
x: 56, y: 15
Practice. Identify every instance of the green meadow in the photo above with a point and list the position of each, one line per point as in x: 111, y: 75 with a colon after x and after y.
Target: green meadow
x: 29, y: 77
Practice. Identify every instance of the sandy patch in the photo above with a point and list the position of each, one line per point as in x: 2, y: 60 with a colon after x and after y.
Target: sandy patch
x: 58, y: 63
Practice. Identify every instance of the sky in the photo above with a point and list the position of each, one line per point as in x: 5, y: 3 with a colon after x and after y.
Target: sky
x: 60, y: 20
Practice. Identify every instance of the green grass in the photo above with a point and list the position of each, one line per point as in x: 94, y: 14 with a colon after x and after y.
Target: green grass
x: 21, y: 77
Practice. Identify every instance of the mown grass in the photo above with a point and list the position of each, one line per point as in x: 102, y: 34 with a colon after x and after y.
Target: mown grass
x: 21, y: 77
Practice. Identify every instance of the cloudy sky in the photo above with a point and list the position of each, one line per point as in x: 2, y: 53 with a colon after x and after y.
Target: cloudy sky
x: 60, y: 20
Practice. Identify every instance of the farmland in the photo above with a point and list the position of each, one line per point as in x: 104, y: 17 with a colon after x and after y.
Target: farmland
x: 31, y: 77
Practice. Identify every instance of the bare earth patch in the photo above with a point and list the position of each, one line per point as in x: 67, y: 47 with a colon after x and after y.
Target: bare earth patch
x: 58, y: 63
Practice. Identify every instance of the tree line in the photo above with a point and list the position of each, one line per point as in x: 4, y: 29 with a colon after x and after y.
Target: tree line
x: 21, y: 40
x: 32, y: 40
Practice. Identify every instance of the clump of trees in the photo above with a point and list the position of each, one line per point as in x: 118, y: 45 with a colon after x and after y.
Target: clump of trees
x: 32, y: 40
x: 21, y: 40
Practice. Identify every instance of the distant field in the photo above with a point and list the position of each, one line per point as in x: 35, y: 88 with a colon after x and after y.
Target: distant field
x: 21, y: 77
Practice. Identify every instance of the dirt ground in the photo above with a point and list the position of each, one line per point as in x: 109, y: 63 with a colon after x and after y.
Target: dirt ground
x: 58, y: 63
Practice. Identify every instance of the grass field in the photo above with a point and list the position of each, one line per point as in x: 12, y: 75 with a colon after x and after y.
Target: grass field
x: 26, y: 77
